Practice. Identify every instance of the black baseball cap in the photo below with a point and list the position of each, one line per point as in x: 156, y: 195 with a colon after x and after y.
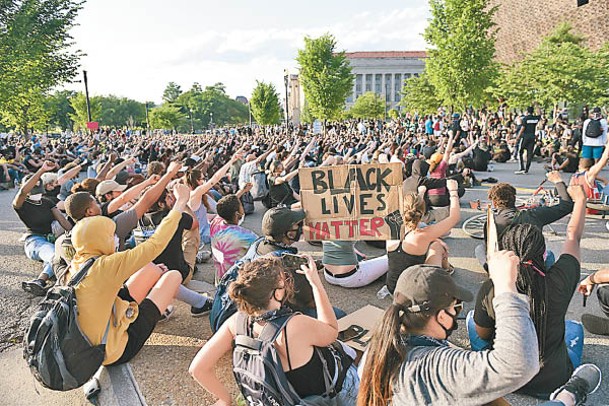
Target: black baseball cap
x: 279, y: 220
x: 427, y: 288
x: 596, y: 110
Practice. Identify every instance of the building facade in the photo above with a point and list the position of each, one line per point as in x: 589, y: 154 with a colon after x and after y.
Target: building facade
x: 523, y: 24
x: 383, y: 73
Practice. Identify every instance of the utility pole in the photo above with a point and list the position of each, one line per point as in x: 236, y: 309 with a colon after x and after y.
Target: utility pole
x: 286, y: 78
x: 84, y: 72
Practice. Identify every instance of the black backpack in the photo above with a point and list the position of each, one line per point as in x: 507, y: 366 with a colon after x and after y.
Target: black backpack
x: 59, y: 355
x: 258, y: 370
x: 594, y: 129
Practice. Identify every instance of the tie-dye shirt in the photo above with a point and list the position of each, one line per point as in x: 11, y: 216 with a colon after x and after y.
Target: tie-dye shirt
x: 229, y: 243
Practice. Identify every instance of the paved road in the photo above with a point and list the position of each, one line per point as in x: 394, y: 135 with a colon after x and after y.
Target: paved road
x: 161, y: 369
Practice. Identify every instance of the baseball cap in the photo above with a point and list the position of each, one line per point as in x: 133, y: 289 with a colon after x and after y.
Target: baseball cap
x: 456, y: 115
x: 428, y: 288
x: 596, y: 110
x: 279, y: 220
x: 108, y: 186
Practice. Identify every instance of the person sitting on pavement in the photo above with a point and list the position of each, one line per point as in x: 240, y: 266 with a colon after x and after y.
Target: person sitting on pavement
x: 260, y: 291
x: 595, y: 324
x: 108, y: 307
x: 37, y: 214
x: 280, y: 191
x: 229, y: 240
x: 410, y: 362
x: 343, y: 266
x: 587, y: 176
x: 421, y: 245
x: 550, y: 291
x: 418, y: 177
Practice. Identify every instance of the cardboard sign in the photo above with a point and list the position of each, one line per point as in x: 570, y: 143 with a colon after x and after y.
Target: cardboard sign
x: 93, y: 125
x: 353, y: 202
x: 368, y: 318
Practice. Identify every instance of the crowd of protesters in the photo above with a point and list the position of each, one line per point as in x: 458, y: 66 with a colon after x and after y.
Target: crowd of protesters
x: 149, y: 207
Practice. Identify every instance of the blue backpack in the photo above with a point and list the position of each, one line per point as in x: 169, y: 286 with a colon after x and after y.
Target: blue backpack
x: 223, y: 307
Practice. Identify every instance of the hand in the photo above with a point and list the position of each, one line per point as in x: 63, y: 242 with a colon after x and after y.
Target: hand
x: 310, y: 272
x: 247, y: 187
x: 422, y: 189
x: 577, y: 193
x: 586, y: 286
x: 163, y: 268
x: 174, y: 167
x: 503, y: 270
x: 153, y: 179
x: 48, y: 166
x: 554, y: 177
x: 235, y: 157
x: 452, y: 185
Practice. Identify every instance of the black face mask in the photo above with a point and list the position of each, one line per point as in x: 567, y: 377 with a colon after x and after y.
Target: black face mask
x: 282, y: 300
x: 53, y: 192
x: 298, y: 234
x: 454, y: 325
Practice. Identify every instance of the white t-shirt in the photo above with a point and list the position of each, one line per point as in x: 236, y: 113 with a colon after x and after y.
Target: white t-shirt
x: 245, y: 174
x: 595, y: 142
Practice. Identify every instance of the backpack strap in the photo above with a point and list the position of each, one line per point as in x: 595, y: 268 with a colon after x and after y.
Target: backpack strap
x: 84, y: 270
x: 271, y: 330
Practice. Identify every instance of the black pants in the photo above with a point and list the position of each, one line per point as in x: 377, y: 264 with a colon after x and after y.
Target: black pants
x: 528, y: 144
x: 603, y: 298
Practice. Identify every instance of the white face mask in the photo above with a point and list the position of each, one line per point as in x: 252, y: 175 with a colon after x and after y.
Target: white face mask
x: 117, y: 243
x: 241, y: 220
x: 35, y: 198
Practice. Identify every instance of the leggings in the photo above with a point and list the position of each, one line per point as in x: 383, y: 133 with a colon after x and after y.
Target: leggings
x: 526, y: 144
x: 367, y: 272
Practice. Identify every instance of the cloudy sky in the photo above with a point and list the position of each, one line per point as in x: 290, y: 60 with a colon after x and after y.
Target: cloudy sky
x: 135, y: 47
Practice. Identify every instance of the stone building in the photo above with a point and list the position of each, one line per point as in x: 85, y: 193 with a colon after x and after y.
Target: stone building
x: 522, y: 24
x: 383, y: 73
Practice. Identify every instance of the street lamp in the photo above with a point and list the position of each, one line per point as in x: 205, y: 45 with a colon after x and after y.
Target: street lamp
x: 285, y: 80
x: 84, y: 72
x: 147, y: 123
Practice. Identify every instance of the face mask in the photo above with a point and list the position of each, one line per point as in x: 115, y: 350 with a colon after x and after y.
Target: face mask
x: 454, y: 325
x: 241, y: 220
x: 53, y: 192
x: 35, y: 198
x: 282, y: 300
x: 297, y: 236
x: 116, y: 243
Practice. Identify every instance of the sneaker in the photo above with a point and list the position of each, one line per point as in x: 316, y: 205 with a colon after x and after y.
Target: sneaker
x: 203, y: 310
x: 595, y: 324
x: 203, y: 256
x: 167, y: 313
x: 521, y: 172
x: 36, y: 287
x: 585, y: 380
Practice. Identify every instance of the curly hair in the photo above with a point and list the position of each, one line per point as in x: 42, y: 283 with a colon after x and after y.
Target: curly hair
x: 256, y: 285
x: 503, y: 196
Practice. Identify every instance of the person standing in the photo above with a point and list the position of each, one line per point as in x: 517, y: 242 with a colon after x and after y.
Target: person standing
x: 594, y: 135
x: 527, y: 139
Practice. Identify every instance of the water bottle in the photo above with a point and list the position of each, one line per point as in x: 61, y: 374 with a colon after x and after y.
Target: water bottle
x: 383, y: 293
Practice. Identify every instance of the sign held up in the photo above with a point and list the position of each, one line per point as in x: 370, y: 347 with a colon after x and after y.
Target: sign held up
x: 353, y: 202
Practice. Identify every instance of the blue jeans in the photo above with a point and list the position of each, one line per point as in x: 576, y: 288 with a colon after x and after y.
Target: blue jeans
x: 39, y: 249
x: 346, y: 397
x: 574, y: 338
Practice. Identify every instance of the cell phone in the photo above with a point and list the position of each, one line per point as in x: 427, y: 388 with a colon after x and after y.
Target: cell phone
x: 292, y: 261
x: 585, y: 300
x: 351, y: 333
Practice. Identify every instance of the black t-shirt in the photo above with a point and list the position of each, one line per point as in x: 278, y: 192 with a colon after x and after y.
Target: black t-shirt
x: 530, y: 125
x: 455, y: 127
x: 173, y: 255
x: 37, y: 216
x: 428, y: 151
x: 104, y: 210
x: 562, y: 279
x: 481, y: 159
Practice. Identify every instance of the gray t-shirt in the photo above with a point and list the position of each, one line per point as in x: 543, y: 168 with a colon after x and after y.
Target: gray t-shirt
x: 339, y: 253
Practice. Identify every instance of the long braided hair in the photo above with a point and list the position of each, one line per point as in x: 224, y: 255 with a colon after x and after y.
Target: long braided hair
x: 527, y: 241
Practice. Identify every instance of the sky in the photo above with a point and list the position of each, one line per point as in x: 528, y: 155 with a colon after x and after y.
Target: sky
x: 135, y: 47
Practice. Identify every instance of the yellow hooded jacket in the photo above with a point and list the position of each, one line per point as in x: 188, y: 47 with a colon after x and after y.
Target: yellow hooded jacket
x: 96, y: 295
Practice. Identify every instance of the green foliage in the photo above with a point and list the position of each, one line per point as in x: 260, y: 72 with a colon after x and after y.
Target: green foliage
x: 167, y: 116
x: 460, y: 63
x: 79, y: 107
x: 326, y: 76
x: 35, y: 56
x: 265, y: 104
x: 394, y: 114
x: 307, y: 116
x: 368, y: 105
x: 121, y: 112
x: 172, y: 92
x: 559, y: 70
x: 59, y: 109
x: 420, y: 95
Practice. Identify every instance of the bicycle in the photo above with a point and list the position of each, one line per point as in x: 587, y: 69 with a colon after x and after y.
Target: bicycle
x: 474, y: 226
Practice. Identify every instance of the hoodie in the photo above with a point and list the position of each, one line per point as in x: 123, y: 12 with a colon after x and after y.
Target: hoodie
x: 419, y: 177
x: 96, y: 294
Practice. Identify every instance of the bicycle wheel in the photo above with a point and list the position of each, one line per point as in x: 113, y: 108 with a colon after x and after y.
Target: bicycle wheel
x: 474, y: 226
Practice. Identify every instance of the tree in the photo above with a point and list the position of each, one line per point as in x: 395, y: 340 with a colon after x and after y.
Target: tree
x: 368, y: 105
x: 59, y: 109
x: 326, y: 76
x: 80, y: 116
x: 460, y: 63
x: 420, y: 95
x: 35, y: 55
x: 265, y: 104
x: 166, y: 116
x: 172, y: 92
x: 121, y: 111
x: 561, y: 69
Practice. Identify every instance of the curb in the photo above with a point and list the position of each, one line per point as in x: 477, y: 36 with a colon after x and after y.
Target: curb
x: 119, y: 387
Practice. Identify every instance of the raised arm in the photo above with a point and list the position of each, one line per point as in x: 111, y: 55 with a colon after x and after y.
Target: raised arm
x: 440, y: 228
x: 128, y: 195
x: 575, y: 228
x: 449, y: 147
x: 69, y: 174
x: 117, y: 168
x: 196, y: 195
x: 29, y: 185
x: 153, y: 194
x: 597, y: 167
